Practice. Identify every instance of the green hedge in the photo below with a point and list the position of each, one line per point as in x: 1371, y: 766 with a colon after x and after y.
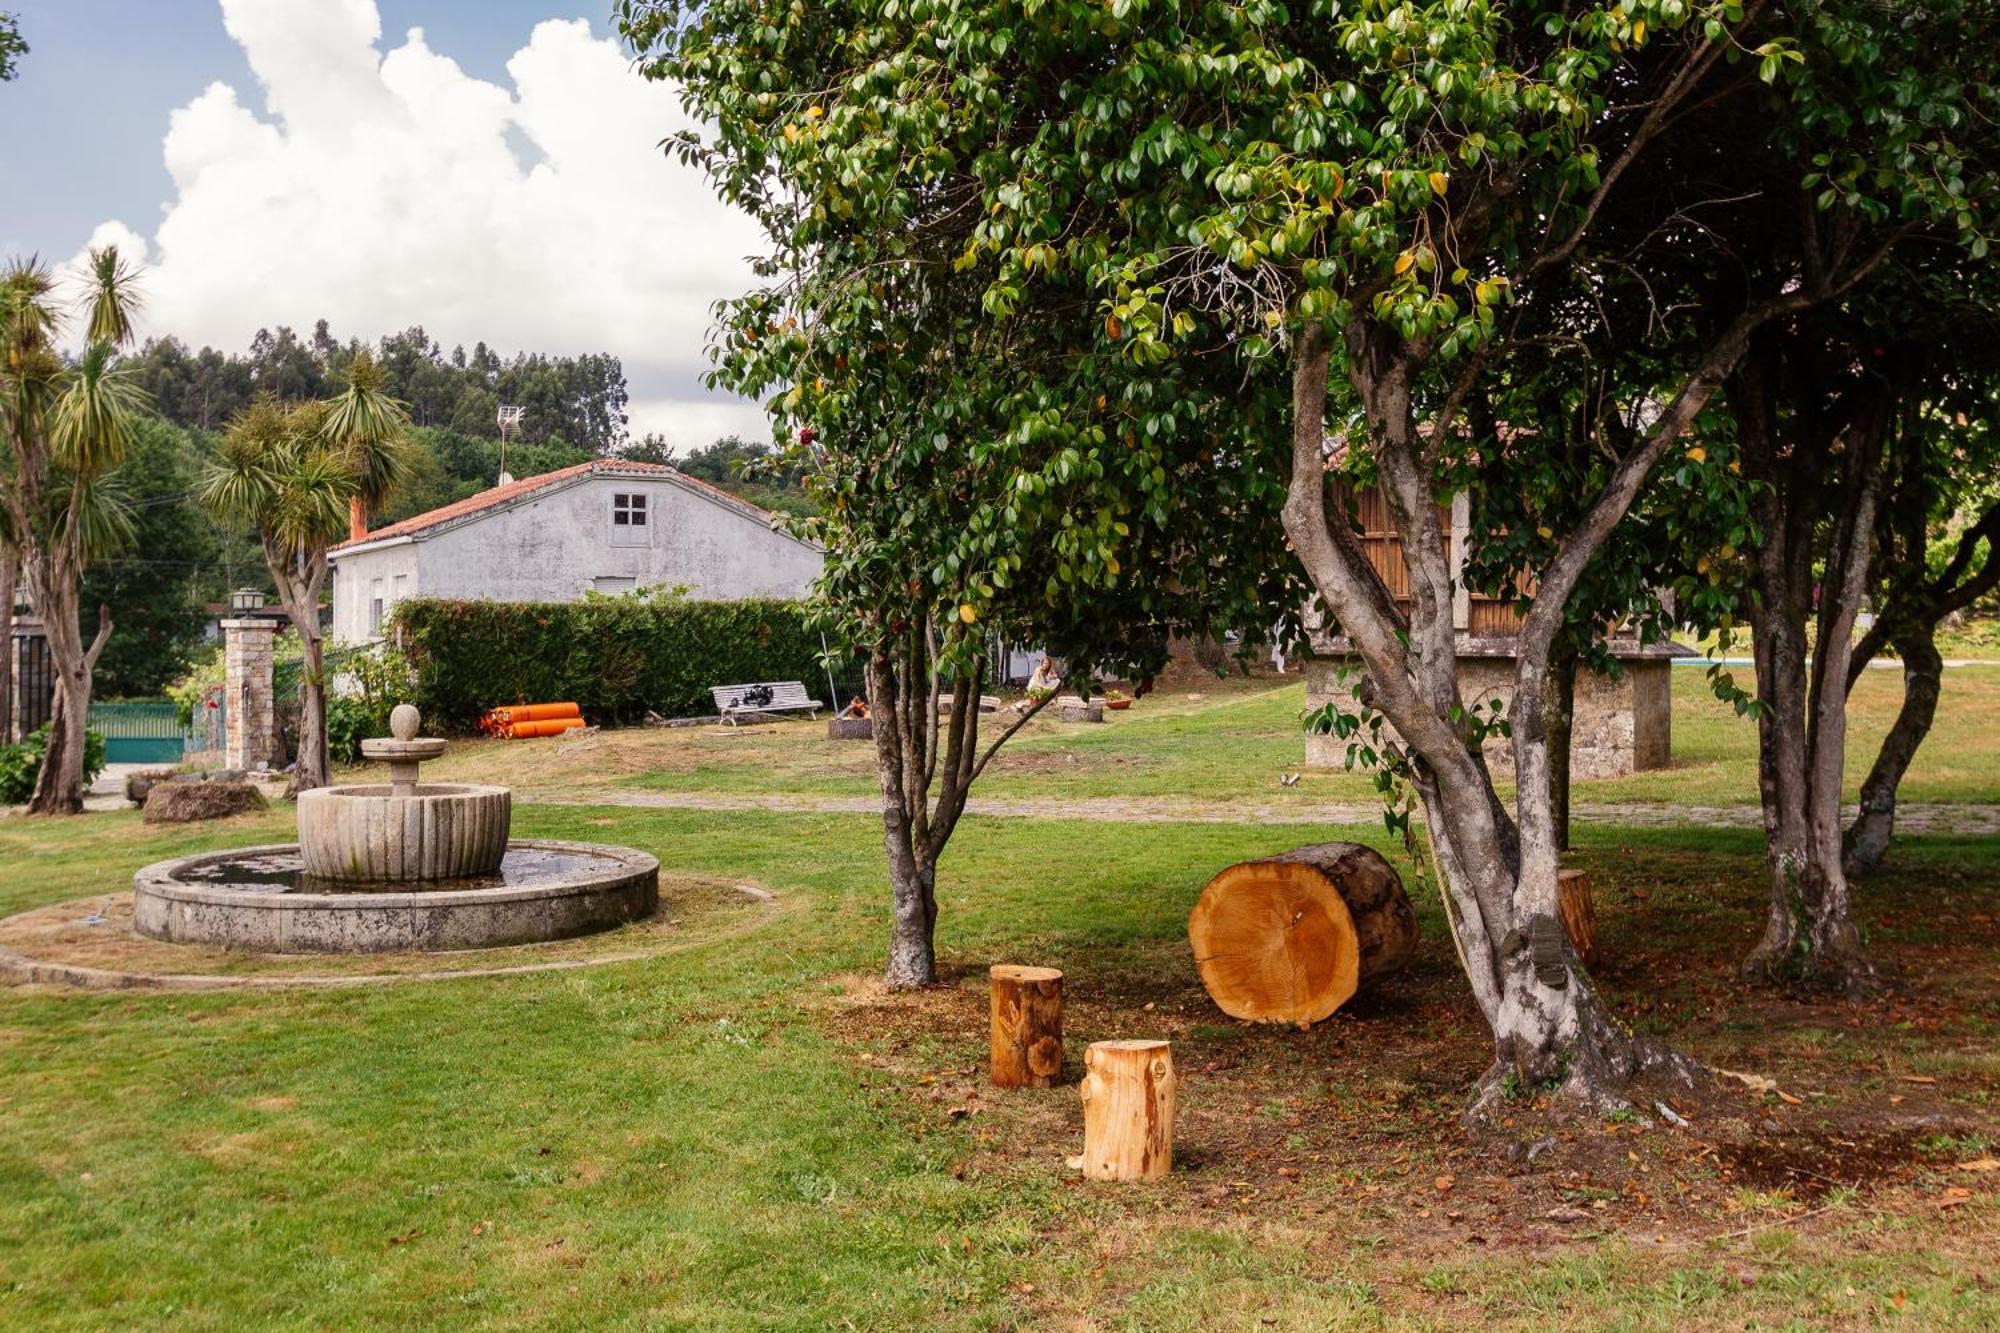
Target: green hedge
x: 615, y: 656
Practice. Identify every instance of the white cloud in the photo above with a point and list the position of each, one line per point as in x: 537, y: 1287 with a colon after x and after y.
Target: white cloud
x: 383, y: 190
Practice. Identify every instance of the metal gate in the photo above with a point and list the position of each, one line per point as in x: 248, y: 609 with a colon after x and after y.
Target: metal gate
x: 148, y: 732
x: 34, y: 682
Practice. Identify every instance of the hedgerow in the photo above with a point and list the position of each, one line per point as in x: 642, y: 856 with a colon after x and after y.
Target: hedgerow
x: 617, y: 657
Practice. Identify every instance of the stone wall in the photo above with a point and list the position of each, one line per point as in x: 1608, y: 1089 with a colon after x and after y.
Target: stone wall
x: 1621, y: 726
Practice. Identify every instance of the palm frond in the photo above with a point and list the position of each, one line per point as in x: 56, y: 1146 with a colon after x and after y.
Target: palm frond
x: 93, y: 419
x: 99, y: 520
x: 114, y: 297
x: 370, y: 428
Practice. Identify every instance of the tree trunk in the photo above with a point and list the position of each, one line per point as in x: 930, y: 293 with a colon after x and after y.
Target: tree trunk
x: 10, y: 564
x: 59, y: 788
x: 1559, y: 716
x: 1291, y: 938
x: 1026, y: 1043
x: 1867, y: 842
x: 1810, y: 940
x: 1128, y: 1110
x: 314, y: 768
x: 1497, y: 880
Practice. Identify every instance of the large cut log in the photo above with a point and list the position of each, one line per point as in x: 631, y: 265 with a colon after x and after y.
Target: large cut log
x: 1291, y: 938
x: 1579, y: 917
x: 1128, y: 1110
x: 1027, y: 1026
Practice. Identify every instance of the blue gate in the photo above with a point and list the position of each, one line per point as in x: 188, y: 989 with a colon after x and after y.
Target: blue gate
x: 139, y: 733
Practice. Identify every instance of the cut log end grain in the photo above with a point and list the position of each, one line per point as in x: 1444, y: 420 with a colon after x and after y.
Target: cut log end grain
x: 1292, y: 938
x: 1027, y: 1041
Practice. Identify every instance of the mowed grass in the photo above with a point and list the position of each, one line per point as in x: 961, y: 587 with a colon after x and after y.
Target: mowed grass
x: 698, y: 1142
x: 1233, y: 741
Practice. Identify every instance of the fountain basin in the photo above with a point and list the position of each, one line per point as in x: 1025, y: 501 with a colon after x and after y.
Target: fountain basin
x: 266, y: 900
x: 386, y: 832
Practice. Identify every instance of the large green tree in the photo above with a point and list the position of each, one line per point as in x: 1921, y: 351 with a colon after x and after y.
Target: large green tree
x: 156, y: 586
x: 1364, y: 193
x: 67, y: 425
x: 983, y: 474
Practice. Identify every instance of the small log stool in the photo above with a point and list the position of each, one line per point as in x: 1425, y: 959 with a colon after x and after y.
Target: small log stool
x: 1027, y: 1026
x: 1128, y: 1110
x: 1579, y: 917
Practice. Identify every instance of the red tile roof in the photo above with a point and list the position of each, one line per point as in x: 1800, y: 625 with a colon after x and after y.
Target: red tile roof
x: 515, y: 490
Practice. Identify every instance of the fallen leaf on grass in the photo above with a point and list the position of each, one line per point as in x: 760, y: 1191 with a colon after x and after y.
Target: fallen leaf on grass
x: 407, y: 1236
x: 481, y: 1227
x: 1444, y: 1184
x: 1955, y: 1196
x: 1788, y: 1099
x: 1987, y: 1163
x: 1918, y: 1078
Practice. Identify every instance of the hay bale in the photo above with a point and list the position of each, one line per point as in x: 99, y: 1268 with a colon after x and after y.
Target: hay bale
x: 186, y: 802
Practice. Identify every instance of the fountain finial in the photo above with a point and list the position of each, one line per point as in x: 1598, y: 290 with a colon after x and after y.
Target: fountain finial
x: 404, y: 719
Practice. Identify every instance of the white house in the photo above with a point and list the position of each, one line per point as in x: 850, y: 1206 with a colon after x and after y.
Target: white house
x: 608, y: 525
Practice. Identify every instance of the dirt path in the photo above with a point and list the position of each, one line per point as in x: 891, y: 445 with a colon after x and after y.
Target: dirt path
x: 1910, y: 818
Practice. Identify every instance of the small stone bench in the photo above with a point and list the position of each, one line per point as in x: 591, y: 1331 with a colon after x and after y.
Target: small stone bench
x: 780, y: 696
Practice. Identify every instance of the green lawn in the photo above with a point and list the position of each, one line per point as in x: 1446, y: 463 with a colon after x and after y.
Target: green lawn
x: 723, y: 1139
x: 1229, y: 743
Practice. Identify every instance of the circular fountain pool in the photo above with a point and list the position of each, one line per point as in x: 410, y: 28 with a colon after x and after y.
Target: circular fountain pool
x: 263, y: 899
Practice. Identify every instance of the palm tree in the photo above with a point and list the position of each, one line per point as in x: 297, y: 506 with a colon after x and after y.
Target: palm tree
x: 292, y: 472
x: 67, y: 425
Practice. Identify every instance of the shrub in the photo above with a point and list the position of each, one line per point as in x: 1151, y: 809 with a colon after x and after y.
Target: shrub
x: 616, y: 657
x: 21, y: 764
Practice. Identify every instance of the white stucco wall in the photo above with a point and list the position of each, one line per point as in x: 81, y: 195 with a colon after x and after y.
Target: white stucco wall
x: 354, y: 587
x: 556, y: 545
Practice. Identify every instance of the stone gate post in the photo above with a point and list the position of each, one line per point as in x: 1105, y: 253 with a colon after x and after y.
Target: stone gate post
x: 252, y: 718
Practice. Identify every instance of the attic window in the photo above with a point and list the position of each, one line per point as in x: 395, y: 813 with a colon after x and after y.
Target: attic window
x: 628, y: 511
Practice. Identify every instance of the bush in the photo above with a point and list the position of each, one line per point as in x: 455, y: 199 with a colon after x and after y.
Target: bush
x: 21, y: 764
x: 616, y: 657
x: 364, y: 686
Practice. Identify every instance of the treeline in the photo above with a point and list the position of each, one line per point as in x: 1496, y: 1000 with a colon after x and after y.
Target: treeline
x: 576, y: 402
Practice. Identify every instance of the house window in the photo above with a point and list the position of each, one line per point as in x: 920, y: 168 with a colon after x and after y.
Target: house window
x: 614, y: 584
x: 629, y: 520
x: 375, y: 607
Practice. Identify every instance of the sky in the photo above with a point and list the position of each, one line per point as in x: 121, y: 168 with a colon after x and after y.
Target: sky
x: 486, y: 168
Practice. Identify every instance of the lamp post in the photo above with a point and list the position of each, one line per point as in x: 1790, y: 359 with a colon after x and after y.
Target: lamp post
x: 245, y: 601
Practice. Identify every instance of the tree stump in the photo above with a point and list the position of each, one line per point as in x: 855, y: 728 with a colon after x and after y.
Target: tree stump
x: 1027, y: 1026
x: 1290, y: 939
x: 1128, y: 1110
x: 1579, y: 916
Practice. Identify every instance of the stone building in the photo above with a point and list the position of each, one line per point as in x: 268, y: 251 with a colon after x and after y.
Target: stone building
x: 608, y: 525
x: 1621, y: 725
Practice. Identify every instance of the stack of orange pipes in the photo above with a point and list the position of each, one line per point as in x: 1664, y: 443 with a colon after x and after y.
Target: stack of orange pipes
x: 519, y: 721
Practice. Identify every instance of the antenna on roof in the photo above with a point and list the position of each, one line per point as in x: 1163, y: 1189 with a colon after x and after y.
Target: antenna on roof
x: 510, y: 421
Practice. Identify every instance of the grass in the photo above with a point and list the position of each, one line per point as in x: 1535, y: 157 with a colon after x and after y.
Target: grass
x: 747, y: 1135
x: 1230, y: 742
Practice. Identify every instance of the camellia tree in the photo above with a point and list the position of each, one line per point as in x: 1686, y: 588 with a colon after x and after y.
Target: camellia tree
x: 67, y: 424
x: 985, y: 473
x: 292, y: 472
x: 1363, y: 193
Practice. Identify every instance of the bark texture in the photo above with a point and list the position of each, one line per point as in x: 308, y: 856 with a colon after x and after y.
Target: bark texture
x: 1816, y: 515
x: 1025, y: 1049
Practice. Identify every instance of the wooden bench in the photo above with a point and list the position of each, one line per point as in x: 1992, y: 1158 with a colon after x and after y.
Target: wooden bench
x: 776, y: 696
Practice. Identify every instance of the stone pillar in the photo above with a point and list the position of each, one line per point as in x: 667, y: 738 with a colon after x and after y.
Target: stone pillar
x: 247, y: 693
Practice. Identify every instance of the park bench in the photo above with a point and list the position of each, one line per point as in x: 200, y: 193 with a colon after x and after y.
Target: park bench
x: 777, y: 696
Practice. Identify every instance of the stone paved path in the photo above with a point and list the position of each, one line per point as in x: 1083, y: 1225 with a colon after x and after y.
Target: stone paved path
x: 1910, y: 818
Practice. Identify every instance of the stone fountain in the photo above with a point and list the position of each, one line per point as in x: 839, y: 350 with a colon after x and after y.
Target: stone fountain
x: 396, y: 867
